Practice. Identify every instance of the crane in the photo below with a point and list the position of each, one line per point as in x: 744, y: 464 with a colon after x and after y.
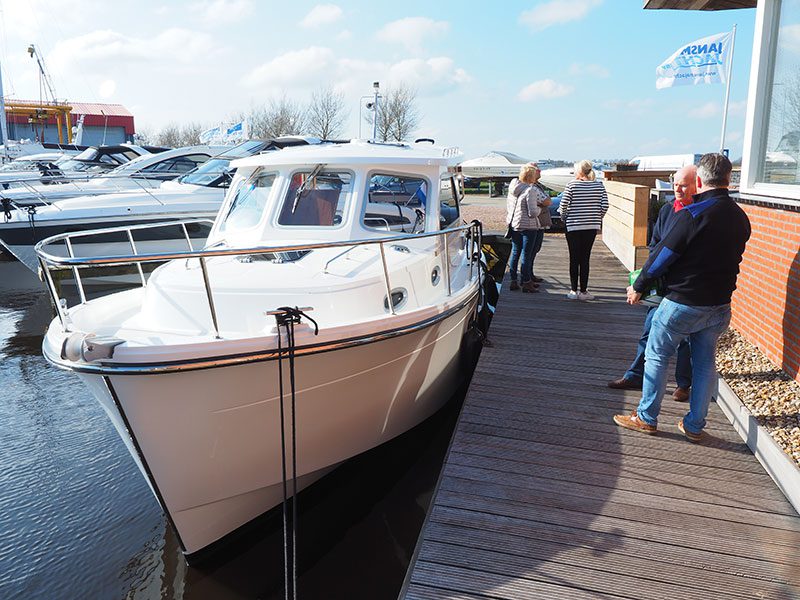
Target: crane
x: 44, y: 77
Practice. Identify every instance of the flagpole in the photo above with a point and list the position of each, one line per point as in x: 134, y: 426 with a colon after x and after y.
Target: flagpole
x: 727, y: 93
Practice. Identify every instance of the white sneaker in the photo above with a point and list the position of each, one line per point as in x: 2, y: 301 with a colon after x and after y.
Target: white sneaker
x: 585, y: 296
x: 572, y: 296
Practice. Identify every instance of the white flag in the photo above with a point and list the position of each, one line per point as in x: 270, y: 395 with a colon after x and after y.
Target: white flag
x: 702, y: 61
x: 210, y: 135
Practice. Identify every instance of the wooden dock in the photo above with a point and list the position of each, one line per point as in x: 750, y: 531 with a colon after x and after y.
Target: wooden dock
x: 542, y: 496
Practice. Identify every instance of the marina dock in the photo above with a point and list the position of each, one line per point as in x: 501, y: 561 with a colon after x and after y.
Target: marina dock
x: 542, y: 496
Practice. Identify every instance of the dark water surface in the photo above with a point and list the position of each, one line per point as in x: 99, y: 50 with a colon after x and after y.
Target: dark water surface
x: 77, y: 519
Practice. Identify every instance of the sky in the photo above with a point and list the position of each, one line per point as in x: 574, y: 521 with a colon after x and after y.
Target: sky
x: 559, y: 79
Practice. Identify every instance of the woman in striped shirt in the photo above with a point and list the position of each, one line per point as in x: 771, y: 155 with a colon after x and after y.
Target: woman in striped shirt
x: 583, y: 205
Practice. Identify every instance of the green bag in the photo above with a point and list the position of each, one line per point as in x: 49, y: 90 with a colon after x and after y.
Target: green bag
x: 655, y: 294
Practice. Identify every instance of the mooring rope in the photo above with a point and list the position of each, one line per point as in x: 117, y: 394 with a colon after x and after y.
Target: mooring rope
x: 287, y: 317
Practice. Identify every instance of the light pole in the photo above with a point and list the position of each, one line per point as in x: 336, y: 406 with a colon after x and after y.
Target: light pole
x: 376, y: 86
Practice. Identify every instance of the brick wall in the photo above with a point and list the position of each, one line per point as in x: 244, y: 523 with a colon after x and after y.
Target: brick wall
x: 766, y: 304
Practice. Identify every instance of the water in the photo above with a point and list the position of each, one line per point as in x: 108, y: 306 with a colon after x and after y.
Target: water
x: 77, y: 519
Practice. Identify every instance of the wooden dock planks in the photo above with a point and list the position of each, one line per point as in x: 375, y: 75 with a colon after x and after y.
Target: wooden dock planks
x: 542, y: 496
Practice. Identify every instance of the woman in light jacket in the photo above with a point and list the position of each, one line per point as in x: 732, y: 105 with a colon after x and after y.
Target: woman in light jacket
x: 522, y: 216
x: 583, y: 205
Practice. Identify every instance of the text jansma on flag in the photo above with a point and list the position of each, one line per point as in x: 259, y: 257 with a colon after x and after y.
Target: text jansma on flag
x: 702, y: 61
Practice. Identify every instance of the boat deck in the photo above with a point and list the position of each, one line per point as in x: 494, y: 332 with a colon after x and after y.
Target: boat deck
x: 542, y: 496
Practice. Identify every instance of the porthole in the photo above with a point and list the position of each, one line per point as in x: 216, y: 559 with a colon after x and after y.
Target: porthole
x: 436, y: 275
x: 399, y: 296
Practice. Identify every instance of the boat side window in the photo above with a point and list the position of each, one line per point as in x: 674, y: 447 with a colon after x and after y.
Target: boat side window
x: 448, y: 202
x: 396, y: 203
x: 177, y: 165
x: 247, y: 202
x: 315, y: 201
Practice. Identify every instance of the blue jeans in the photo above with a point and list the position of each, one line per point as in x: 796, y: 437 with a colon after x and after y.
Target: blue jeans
x: 672, y: 322
x: 522, y: 243
x: 683, y: 366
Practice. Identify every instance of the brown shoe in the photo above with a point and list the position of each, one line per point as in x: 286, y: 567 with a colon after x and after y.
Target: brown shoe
x: 514, y: 285
x: 632, y: 421
x: 692, y: 437
x: 624, y: 384
x: 530, y: 287
x: 681, y: 394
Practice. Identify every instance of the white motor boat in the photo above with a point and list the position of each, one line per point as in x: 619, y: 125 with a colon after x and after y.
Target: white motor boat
x: 493, y: 165
x: 91, y: 161
x: 557, y: 178
x: 196, y: 195
x: 143, y: 172
x: 192, y: 368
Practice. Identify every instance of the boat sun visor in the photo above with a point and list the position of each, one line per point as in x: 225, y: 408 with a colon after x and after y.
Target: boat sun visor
x: 88, y: 347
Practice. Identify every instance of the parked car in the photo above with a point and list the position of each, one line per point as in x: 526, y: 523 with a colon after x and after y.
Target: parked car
x: 555, y: 216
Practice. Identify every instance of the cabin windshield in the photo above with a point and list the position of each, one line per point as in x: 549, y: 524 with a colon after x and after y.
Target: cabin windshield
x: 247, y: 202
x: 321, y: 200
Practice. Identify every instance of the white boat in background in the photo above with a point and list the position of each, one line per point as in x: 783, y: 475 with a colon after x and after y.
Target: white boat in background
x: 196, y: 195
x: 557, y: 178
x: 494, y: 165
x: 189, y: 366
x: 141, y: 173
x: 91, y: 161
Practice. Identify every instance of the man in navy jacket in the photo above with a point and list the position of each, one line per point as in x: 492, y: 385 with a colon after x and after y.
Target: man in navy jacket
x: 699, y: 259
x: 684, y: 182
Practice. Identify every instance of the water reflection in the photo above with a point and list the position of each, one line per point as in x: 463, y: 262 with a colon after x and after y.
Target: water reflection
x: 77, y: 520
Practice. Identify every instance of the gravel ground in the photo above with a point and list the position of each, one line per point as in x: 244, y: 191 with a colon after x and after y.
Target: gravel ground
x: 771, y: 395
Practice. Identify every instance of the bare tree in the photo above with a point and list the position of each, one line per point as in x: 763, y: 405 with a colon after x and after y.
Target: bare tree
x: 397, y: 114
x: 403, y: 112
x: 176, y: 136
x: 278, y: 117
x: 326, y: 113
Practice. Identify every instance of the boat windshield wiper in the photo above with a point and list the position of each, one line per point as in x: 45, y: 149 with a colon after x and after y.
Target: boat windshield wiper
x: 302, y: 188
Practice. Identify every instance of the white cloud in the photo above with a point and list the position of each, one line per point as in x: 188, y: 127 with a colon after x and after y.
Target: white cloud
x: 411, y: 32
x: 789, y: 37
x: 110, y: 49
x: 344, y: 35
x: 225, y: 11
x: 588, y: 69
x: 705, y: 111
x: 292, y: 68
x: 107, y: 88
x: 315, y: 65
x: 544, y: 89
x: 737, y: 108
x: 556, y: 12
x: 321, y: 14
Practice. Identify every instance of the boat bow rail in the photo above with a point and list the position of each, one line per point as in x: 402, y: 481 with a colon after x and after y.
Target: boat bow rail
x: 50, y: 261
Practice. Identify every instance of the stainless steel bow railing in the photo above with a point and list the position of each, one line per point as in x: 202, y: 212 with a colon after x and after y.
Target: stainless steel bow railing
x: 472, y: 234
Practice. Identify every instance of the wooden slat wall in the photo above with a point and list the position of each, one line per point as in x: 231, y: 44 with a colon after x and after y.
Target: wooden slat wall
x: 625, y: 223
x: 543, y: 497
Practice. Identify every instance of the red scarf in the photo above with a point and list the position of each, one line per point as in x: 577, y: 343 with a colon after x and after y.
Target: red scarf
x: 677, y: 205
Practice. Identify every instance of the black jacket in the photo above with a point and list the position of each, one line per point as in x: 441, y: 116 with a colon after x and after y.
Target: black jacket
x: 699, y: 254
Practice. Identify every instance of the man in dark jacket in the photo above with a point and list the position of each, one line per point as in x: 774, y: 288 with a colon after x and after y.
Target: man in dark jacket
x: 699, y: 258
x: 684, y: 182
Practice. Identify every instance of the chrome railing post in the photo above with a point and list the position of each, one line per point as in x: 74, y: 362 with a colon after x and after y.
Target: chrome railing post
x: 186, y: 235
x: 51, y: 287
x: 210, y: 297
x: 136, y: 253
x: 75, y: 272
x: 447, y: 264
x: 386, y: 279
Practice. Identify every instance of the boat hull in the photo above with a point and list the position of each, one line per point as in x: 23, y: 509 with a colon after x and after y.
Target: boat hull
x: 209, y: 440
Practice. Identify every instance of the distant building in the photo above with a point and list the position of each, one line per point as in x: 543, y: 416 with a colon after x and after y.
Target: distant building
x: 102, y: 124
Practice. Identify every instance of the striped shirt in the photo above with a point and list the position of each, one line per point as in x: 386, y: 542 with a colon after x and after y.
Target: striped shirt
x: 583, y: 205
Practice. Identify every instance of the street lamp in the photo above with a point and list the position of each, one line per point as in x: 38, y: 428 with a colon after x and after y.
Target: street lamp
x: 371, y: 103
